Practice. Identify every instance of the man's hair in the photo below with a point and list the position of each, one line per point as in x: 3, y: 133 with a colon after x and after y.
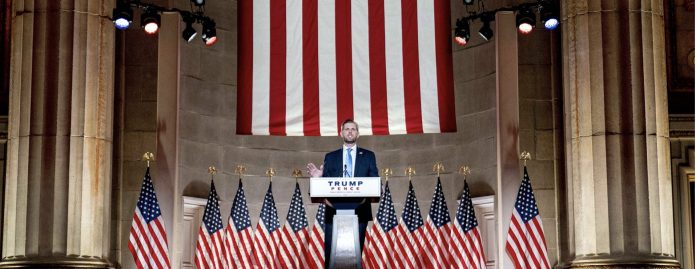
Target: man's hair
x: 350, y: 121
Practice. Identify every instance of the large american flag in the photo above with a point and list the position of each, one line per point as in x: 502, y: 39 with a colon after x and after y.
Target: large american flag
x: 381, y: 237
x: 267, y: 234
x: 293, y: 247
x: 316, y: 241
x: 238, y: 234
x: 148, y: 239
x: 209, y: 247
x: 304, y: 66
x: 438, y: 229
x: 526, y: 245
x: 466, y: 249
x: 411, y: 232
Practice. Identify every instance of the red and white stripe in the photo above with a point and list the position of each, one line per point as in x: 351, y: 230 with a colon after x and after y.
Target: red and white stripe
x: 436, y: 244
x: 148, y: 242
x: 526, y: 245
x: 238, y: 247
x: 379, y: 249
x: 209, y: 249
x: 307, y: 65
x: 266, y: 254
x: 466, y: 249
x: 293, y: 248
x: 410, y: 246
x: 315, y: 257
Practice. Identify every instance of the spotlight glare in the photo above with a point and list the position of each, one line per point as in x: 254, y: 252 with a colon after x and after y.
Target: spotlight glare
x: 551, y: 24
x: 122, y: 16
x: 150, y: 21
x: 209, y: 35
x: 525, y: 28
x: 526, y: 19
x: 151, y: 28
x: 461, y: 33
x: 121, y: 23
x: 548, y: 13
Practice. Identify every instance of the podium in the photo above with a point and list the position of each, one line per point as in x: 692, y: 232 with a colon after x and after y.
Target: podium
x: 345, y: 194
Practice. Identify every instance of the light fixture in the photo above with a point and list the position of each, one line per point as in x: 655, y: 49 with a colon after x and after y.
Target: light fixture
x: 461, y: 33
x: 486, y: 32
x: 548, y: 13
x: 189, y: 33
x: 468, y: 2
x: 209, y: 34
x: 122, y: 16
x: 526, y: 20
x: 150, y: 21
x: 198, y: 3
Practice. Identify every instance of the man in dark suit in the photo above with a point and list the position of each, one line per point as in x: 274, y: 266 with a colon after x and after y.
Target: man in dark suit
x: 348, y: 161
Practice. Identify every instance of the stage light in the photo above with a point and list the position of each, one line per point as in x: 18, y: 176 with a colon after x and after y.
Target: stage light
x: 189, y: 33
x: 150, y: 21
x: 461, y: 32
x: 486, y: 32
x: 122, y: 16
x: 468, y: 2
x: 198, y: 3
x: 208, y: 34
x: 548, y: 13
x: 526, y: 20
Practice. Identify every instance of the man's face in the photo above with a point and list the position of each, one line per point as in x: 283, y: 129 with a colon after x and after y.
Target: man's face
x: 350, y: 133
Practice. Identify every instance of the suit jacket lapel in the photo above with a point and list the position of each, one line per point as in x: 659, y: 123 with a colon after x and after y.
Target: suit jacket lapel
x: 358, y: 162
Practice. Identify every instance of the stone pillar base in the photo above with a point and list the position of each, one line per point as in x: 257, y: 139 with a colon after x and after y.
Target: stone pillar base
x: 624, y: 263
x: 57, y: 262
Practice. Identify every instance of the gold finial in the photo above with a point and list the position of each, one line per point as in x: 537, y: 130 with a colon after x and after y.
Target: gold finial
x: 410, y: 172
x: 148, y: 157
x: 464, y: 171
x: 525, y: 156
x: 438, y: 168
x: 386, y: 172
x: 240, y: 170
x: 212, y: 171
x: 270, y: 173
x: 296, y: 173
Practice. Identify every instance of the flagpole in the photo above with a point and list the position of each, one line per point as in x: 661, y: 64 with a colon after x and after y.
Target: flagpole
x: 239, y: 170
x: 147, y: 157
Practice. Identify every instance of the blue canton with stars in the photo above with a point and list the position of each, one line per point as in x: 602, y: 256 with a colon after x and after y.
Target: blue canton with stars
x: 465, y: 213
x: 526, y: 204
x: 211, y: 217
x: 269, y: 213
x: 320, y: 215
x: 386, y: 216
x: 297, y: 218
x: 411, y: 214
x: 240, y: 211
x: 439, y: 213
x: 147, y: 203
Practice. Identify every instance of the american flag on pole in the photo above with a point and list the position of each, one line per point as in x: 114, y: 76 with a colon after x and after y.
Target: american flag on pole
x: 411, y: 232
x: 526, y: 245
x: 316, y: 241
x: 209, y: 247
x: 267, y: 234
x: 293, y: 247
x: 304, y: 66
x: 438, y: 230
x: 381, y: 237
x: 148, y: 239
x: 238, y: 234
x: 466, y: 249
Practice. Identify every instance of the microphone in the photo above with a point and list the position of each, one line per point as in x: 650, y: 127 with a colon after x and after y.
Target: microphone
x: 345, y: 170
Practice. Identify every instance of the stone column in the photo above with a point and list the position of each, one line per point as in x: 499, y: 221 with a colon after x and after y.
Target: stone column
x: 57, y: 206
x: 617, y: 150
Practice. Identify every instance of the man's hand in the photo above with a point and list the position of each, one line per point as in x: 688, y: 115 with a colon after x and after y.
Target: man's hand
x: 314, y: 171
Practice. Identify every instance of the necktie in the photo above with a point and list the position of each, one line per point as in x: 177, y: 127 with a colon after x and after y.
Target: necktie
x: 349, y: 163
